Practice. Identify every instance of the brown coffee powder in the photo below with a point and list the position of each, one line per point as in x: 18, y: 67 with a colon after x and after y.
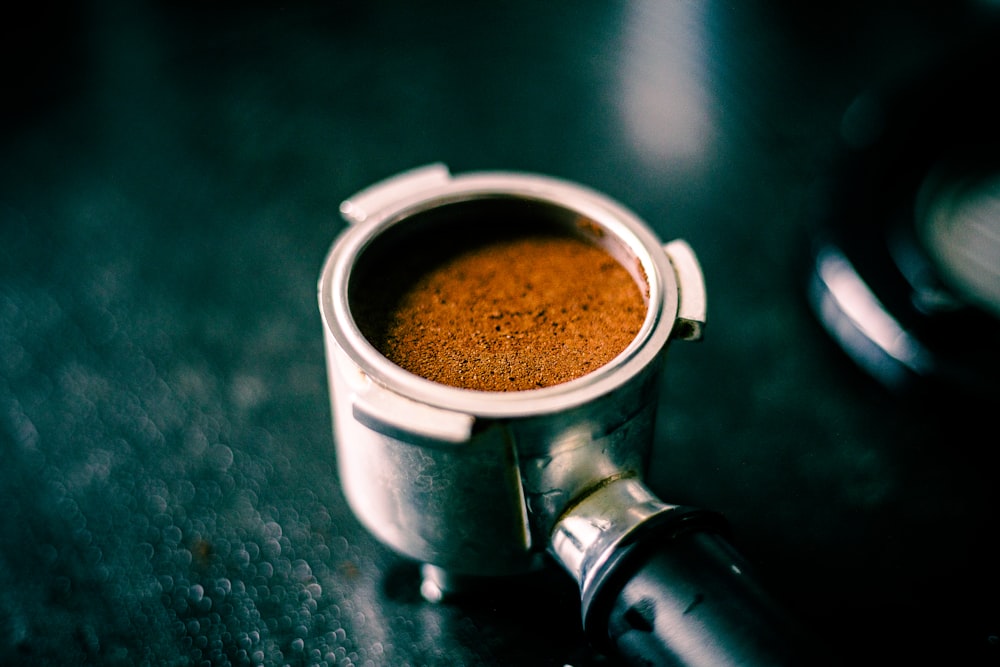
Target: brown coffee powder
x: 514, y: 314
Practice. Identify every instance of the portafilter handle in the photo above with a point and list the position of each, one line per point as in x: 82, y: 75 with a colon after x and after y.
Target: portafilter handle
x: 661, y: 585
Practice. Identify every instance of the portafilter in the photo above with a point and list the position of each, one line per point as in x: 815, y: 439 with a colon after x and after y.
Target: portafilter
x: 485, y: 484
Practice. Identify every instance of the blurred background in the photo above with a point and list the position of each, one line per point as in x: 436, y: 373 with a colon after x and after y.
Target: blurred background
x: 170, y: 175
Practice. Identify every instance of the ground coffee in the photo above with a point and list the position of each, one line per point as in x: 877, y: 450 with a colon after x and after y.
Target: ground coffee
x: 512, y: 314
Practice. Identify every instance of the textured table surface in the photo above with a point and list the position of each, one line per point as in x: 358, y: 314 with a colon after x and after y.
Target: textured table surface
x: 169, y: 185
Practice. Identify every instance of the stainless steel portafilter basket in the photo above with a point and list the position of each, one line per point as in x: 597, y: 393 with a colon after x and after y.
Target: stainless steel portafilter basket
x: 476, y: 484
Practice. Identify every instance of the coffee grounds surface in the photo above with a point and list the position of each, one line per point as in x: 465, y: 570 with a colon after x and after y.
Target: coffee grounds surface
x: 514, y: 314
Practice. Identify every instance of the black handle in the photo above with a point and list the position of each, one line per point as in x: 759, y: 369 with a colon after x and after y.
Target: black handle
x: 689, y: 599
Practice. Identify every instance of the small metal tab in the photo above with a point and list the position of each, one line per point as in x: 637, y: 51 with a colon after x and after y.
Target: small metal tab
x: 390, y: 414
x: 692, y: 308
x: 386, y: 192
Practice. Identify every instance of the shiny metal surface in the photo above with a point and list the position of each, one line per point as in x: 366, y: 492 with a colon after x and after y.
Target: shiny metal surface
x: 862, y: 325
x: 472, y: 482
x: 586, y: 536
x: 959, y: 225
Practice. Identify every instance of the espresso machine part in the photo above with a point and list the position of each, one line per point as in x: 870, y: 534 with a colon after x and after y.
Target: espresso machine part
x: 476, y: 484
x: 905, y: 258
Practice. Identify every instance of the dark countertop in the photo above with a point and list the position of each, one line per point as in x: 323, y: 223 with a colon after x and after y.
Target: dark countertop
x: 169, y: 186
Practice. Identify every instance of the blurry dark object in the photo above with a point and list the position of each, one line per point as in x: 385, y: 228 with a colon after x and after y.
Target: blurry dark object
x: 906, y: 253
